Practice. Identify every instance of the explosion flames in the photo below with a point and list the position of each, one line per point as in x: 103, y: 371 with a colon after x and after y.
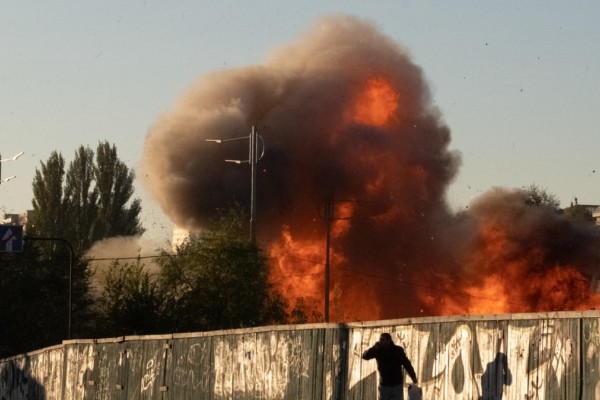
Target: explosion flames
x: 346, y: 117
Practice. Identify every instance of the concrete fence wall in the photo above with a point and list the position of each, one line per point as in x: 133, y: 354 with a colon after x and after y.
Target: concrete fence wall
x: 520, y: 356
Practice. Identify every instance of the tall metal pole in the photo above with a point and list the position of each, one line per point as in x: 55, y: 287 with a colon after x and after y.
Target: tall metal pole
x: 253, y: 157
x: 328, y: 214
x: 253, y: 161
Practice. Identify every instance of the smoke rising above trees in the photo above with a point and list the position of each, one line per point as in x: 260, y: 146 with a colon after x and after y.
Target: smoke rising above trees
x: 347, y: 116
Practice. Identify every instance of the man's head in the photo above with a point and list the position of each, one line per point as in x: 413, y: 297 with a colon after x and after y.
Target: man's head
x: 385, y: 339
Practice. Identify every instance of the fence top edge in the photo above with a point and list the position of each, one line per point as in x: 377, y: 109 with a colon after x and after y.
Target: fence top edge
x: 471, y: 317
x: 324, y: 326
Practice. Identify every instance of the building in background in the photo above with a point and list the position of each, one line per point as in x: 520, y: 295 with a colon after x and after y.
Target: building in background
x: 17, y: 219
x: 596, y: 215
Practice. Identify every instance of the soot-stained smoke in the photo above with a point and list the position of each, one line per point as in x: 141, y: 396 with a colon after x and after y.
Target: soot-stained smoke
x: 346, y: 117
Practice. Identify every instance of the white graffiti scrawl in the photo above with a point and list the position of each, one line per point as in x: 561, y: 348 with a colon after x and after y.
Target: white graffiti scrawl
x: 482, y: 360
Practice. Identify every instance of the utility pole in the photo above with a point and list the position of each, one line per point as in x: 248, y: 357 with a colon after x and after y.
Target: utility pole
x: 253, y: 169
x: 253, y: 157
x: 329, y: 217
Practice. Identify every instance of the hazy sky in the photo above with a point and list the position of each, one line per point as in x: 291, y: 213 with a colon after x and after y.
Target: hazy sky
x: 518, y: 83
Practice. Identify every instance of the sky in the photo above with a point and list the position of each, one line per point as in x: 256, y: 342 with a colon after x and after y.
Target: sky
x: 517, y: 83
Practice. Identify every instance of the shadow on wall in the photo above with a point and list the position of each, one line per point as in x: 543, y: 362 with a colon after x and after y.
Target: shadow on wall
x: 496, y: 375
x: 20, y: 385
x: 365, y: 389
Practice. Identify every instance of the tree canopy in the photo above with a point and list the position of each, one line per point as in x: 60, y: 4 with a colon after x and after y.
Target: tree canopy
x: 89, y: 202
x: 131, y: 302
x: 537, y: 196
x: 218, y: 279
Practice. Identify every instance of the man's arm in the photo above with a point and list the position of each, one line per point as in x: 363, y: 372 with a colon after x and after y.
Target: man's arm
x: 411, y: 372
x: 371, y: 352
x: 408, y: 367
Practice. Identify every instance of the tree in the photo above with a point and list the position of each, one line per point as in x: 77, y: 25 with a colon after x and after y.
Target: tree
x: 218, y: 280
x: 81, y: 198
x: 537, y: 196
x: 115, y: 187
x: 79, y: 209
x: 34, y: 298
x: 49, y: 204
x: 93, y: 203
x: 131, y: 302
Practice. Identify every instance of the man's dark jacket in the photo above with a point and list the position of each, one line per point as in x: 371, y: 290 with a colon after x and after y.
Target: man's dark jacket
x: 390, y: 361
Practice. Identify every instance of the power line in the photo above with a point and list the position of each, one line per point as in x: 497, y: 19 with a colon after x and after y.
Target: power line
x: 369, y: 274
x: 132, y: 258
x: 402, y: 281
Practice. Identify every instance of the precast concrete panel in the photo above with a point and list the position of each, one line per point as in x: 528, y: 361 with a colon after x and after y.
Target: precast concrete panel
x: 481, y: 359
x: 97, y: 378
x: 491, y: 371
x: 334, y: 361
x: 512, y: 356
x: 189, y: 370
x: 590, y: 358
x: 547, y: 358
x: 34, y: 376
x: 47, y: 372
x: 113, y: 374
x: 455, y: 380
x: 78, y: 362
x: 142, y: 373
x: 269, y: 364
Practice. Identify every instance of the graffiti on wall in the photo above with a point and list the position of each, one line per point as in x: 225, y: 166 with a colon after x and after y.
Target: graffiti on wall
x: 259, y: 364
x: 190, y: 367
x: 591, y: 341
x: 531, y: 359
x: 480, y: 360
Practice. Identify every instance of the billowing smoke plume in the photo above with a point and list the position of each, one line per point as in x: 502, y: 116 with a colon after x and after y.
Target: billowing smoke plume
x: 520, y: 258
x: 347, y: 119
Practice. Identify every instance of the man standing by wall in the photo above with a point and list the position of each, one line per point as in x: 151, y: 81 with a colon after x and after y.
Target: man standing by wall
x: 390, y: 361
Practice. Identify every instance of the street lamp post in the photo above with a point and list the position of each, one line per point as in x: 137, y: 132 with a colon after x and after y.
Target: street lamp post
x: 253, y: 157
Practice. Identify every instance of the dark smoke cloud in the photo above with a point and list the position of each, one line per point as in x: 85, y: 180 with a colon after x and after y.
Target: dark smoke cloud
x: 390, y: 177
x: 299, y: 98
x: 539, y: 259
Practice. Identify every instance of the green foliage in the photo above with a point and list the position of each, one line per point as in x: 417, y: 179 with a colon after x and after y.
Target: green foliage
x: 114, y: 182
x: 81, y: 198
x: 34, y: 292
x: 537, y: 196
x: 93, y: 203
x: 85, y: 203
x: 49, y: 204
x: 219, y: 279
x: 131, y: 302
